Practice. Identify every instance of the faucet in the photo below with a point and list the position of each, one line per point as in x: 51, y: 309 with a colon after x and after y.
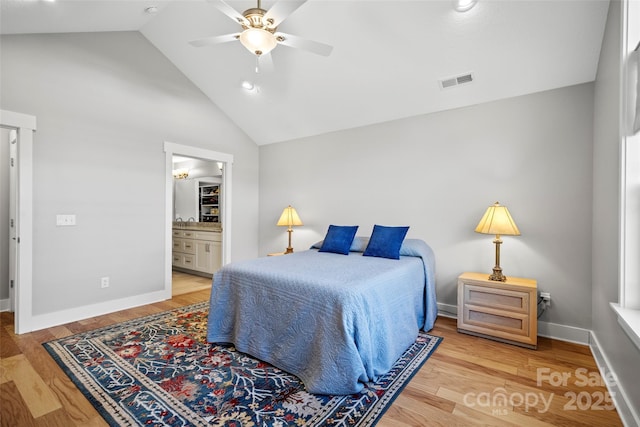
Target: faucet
x: 179, y: 219
x: 191, y: 219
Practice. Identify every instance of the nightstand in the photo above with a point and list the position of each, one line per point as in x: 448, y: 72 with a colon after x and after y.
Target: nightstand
x: 502, y: 311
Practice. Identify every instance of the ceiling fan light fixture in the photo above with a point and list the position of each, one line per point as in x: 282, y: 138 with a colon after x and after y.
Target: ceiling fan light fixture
x: 258, y: 41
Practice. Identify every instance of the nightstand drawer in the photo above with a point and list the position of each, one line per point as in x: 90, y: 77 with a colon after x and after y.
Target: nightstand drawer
x: 503, y: 311
x: 509, y: 300
x: 488, y: 321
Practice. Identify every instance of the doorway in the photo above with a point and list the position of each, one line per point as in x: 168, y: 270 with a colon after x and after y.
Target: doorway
x: 6, y: 252
x: 226, y: 161
x: 21, y: 215
x: 196, y: 206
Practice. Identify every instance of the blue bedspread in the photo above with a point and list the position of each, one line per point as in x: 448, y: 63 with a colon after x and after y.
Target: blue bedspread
x: 335, y: 321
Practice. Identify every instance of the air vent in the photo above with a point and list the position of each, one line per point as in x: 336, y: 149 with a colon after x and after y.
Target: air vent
x: 456, y: 81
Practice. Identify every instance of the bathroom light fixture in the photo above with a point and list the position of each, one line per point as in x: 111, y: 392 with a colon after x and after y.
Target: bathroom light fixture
x: 182, y: 173
x: 464, y: 5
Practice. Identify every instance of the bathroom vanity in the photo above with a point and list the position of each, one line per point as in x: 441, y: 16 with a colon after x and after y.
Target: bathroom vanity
x: 197, y: 247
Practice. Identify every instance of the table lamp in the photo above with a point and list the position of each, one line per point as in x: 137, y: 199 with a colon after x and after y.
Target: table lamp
x: 288, y: 219
x: 497, y: 220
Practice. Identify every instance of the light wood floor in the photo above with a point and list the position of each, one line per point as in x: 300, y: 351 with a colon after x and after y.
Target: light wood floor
x: 454, y: 388
x: 183, y: 283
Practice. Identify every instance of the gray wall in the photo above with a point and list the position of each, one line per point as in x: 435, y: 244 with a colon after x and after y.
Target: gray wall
x: 438, y: 173
x: 623, y: 356
x: 105, y: 103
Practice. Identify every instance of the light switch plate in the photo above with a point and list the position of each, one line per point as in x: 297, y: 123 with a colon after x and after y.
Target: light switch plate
x: 65, y: 220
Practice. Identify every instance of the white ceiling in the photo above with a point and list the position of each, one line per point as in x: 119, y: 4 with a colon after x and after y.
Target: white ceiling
x: 387, y: 59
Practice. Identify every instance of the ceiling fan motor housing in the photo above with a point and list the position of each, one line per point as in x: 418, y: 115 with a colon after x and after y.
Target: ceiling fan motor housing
x: 255, y: 17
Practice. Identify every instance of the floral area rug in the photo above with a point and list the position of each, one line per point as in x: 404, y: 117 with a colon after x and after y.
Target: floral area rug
x: 159, y: 370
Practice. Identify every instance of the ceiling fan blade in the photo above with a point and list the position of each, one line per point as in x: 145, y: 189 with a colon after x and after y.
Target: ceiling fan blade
x: 301, y: 43
x: 281, y: 10
x: 230, y: 12
x: 209, y: 41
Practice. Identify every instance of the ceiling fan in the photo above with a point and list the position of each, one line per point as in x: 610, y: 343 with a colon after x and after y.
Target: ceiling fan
x: 260, y: 33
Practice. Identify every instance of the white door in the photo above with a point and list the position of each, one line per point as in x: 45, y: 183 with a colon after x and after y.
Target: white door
x: 13, y: 219
x: 21, y: 204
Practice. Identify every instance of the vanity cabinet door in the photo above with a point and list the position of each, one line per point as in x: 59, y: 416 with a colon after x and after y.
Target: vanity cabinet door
x: 204, y: 256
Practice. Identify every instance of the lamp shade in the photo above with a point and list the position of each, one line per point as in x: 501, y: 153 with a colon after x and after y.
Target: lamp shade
x: 497, y: 220
x: 258, y: 41
x: 289, y: 217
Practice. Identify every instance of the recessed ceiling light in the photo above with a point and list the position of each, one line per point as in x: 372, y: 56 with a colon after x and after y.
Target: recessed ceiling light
x: 464, y: 5
x: 247, y: 85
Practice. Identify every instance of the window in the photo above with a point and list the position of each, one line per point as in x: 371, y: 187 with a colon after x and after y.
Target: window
x: 629, y: 308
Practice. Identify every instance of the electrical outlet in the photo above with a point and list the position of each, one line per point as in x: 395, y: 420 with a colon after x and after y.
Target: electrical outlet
x: 546, y: 297
x: 104, y: 282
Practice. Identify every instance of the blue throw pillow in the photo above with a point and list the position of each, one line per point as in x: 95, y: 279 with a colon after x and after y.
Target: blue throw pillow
x: 385, y: 242
x: 338, y: 239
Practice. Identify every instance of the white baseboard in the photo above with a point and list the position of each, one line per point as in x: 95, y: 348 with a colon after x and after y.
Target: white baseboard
x: 61, y: 317
x: 5, y: 304
x: 564, y: 332
x: 629, y: 417
x: 545, y: 329
x: 447, y: 310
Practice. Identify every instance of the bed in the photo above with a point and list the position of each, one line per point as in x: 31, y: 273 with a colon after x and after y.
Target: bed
x: 334, y: 321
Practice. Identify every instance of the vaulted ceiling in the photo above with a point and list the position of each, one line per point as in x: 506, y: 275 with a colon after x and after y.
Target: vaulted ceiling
x: 388, y: 56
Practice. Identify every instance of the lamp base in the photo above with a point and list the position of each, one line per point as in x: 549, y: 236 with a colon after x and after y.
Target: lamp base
x: 497, y: 270
x: 289, y: 249
x: 497, y: 275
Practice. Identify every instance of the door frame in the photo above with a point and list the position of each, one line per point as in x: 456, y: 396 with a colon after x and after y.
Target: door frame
x: 13, y: 218
x: 25, y: 125
x: 170, y: 149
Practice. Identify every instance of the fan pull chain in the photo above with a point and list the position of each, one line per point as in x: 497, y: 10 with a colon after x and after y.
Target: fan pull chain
x: 257, y: 64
